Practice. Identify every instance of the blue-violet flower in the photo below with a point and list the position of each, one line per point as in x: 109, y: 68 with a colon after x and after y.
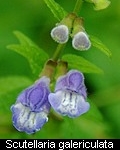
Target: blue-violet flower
x: 70, y: 95
x: 32, y: 107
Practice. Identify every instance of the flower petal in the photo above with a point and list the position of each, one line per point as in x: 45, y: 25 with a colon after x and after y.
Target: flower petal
x: 26, y: 120
x: 60, y: 34
x: 75, y: 80
x: 36, y: 95
x: 68, y: 103
x: 61, y: 83
x: 81, y: 41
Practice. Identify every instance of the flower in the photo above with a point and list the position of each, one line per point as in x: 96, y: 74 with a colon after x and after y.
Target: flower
x: 81, y: 41
x: 60, y: 34
x: 70, y: 95
x: 32, y: 107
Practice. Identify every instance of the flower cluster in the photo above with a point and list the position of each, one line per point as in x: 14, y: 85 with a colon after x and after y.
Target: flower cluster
x: 30, y: 112
x: 32, y: 107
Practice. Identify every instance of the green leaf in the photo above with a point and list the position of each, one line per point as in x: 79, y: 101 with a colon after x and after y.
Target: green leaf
x: 10, y: 83
x: 35, y: 55
x: 98, y: 44
x: 81, y: 64
x: 93, y: 114
x: 10, y: 87
x: 56, y: 9
x: 70, y: 128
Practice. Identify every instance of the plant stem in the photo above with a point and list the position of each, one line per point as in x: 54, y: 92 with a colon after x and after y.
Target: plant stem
x: 77, y: 6
x: 59, y: 48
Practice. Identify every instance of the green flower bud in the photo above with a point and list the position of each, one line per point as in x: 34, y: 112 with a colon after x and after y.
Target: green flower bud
x: 100, y: 4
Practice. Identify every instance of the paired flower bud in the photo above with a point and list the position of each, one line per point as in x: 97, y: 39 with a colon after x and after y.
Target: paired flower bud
x: 71, y: 25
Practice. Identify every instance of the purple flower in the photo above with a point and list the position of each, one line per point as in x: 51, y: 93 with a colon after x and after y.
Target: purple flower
x: 70, y: 95
x: 32, y: 107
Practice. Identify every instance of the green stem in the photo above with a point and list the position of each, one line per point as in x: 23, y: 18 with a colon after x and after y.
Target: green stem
x: 77, y: 6
x: 59, y: 48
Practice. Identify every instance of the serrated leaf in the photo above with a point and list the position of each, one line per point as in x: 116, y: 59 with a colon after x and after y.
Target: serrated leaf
x: 99, y: 45
x: 56, y: 9
x: 81, y: 64
x: 35, y: 55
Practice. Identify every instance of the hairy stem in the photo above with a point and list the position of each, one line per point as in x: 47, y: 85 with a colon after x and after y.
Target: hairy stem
x: 59, y: 48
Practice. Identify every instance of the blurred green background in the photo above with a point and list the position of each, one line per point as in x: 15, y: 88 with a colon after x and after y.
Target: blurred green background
x: 34, y: 19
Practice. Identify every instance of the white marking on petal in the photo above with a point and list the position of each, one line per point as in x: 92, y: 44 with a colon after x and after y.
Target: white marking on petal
x: 69, y: 103
x: 29, y: 121
x: 73, y: 102
x: 18, y: 106
x: 23, y: 116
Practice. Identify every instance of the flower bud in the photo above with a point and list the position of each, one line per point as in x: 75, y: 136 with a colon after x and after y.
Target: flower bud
x: 99, y: 4
x: 60, y: 34
x: 81, y: 41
